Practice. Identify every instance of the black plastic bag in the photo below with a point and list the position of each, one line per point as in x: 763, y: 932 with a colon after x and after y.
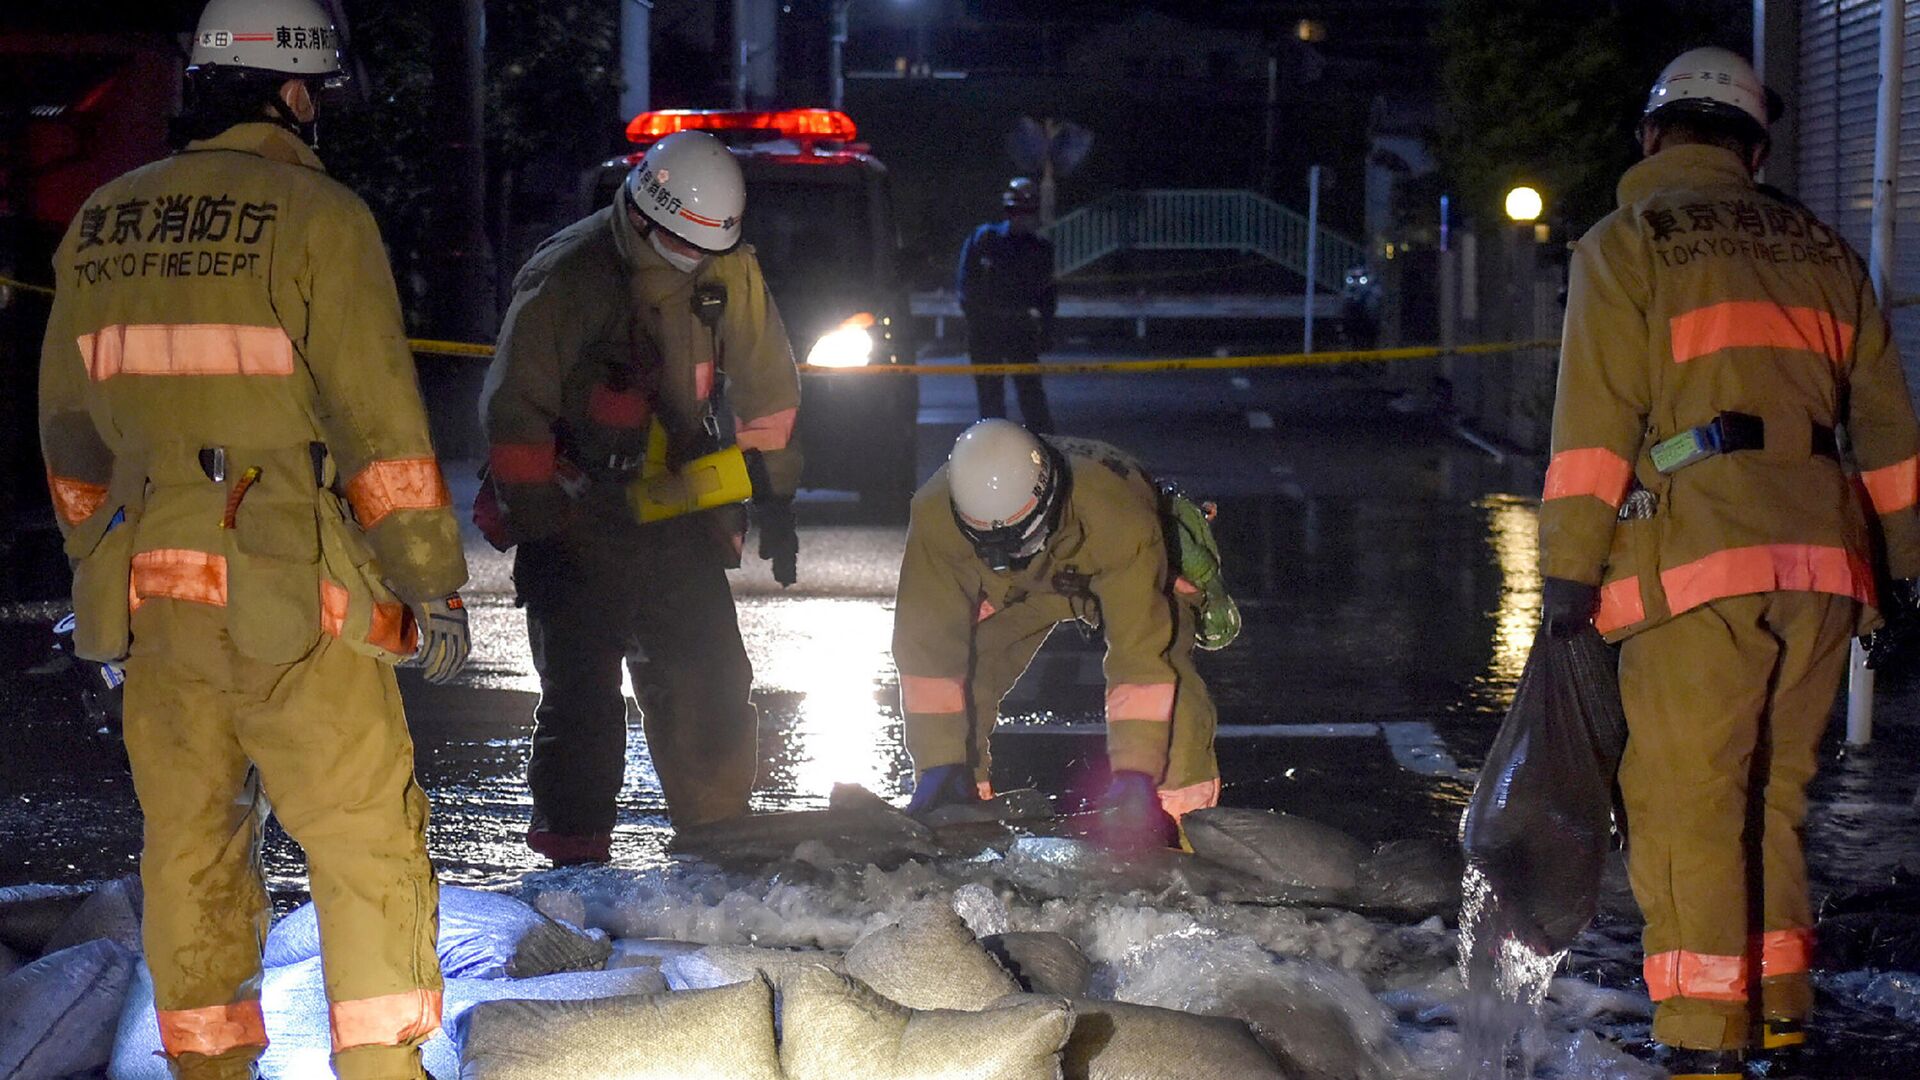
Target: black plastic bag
x: 1540, y: 821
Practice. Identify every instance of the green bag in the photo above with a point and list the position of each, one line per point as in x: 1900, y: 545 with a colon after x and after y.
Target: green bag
x: 1197, y: 557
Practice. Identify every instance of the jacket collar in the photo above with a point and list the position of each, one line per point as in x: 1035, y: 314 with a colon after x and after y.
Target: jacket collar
x: 263, y: 139
x: 1690, y: 165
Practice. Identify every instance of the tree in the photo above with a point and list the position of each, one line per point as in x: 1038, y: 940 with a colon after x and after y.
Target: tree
x: 1549, y: 91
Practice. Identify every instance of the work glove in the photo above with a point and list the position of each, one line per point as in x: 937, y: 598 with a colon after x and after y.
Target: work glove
x: 943, y: 785
x: 444, y: 639
x: 773, y: 513
x: 1567, y: 606
x: 1131, y: 817
x: 1900, y: 607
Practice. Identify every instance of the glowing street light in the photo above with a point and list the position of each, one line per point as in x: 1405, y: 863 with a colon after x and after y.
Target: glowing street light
x: 1524, y: 204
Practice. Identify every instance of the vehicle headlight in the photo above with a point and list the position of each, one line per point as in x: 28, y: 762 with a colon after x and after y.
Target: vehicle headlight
x: 848, y: 345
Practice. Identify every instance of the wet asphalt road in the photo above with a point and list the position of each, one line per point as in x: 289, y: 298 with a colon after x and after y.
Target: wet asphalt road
x: 1385, y: 567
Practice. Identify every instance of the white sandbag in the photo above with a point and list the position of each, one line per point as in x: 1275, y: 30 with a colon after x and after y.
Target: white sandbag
x: 31, y: 914
x: 10, y: 962
x: 647, y: 952
x: 1281, y: 849
x: 441, y: 1054
x: 136, y: 1040
x: 724, y: 965
x: 928, y: 959
x: 1113, y: 1040
x: 1043, y: 962
x: 110, y: 912
x: 483, y: 935
x: 723, y: 1034
x: 834, y: 1027
x: 58, y: 1013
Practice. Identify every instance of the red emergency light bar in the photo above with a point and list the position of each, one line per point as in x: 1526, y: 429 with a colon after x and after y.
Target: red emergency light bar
x: 789, y: 123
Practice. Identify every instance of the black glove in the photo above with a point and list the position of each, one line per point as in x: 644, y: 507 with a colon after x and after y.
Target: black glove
x: 1900, y: 607
x: 444, y: 639
x: 779, y: 539
x: 1567, y: 606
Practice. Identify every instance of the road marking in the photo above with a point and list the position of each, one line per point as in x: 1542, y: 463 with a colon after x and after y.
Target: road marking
x: 1241, y: 382
x: 1260, y: 420
x: 1416, y: 746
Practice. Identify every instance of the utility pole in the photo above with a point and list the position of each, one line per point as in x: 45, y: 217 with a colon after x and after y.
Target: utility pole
x: 1313, y: 249
x: 837, y: 56
x: 457, y: 259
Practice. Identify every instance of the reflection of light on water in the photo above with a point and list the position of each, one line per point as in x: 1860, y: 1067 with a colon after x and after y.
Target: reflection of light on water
x: 837, y: 656
x: 1513, y: 531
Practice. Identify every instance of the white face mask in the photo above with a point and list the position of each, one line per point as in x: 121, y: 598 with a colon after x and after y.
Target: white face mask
x: 683, y: 263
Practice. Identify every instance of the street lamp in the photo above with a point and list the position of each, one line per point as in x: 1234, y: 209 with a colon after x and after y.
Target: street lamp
x: 1523, y: 205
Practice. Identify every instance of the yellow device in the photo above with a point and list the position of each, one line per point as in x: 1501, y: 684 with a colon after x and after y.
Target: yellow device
x: 715, y: 479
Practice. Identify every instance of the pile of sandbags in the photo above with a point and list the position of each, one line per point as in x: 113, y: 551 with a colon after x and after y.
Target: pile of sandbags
x: 67, y: 959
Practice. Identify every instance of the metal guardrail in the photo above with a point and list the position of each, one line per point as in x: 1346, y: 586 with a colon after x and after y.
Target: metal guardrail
x: 1199, y: 220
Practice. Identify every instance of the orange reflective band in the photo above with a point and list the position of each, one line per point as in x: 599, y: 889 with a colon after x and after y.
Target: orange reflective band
x: 521, y: 463
x: 1619, y: 605
x: 985, y: 610
x: 179, y: 574
x: 1894, y: 487
x: 1140, y: 701
x: 1184, y: 587
x: 985, y: 789
x: 702, y: 381
x: 1768, y: 568
x: 1759, y: 324
x: 394, y: 629
x: 1786, y: 952
x: 188, y: 349
x: 1703, y: 976
x: 75, y: 500
x: 771, y: 432
x: 1185, y: 800
x: 1594, y: 471
x: 932, y: 694
x: 333, y: 609
x: 213, y: 1030
x: 400, y: 1019
x: 397, y: 484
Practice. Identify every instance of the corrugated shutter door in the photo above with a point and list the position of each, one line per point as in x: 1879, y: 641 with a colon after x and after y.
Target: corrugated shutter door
x: 1839, y: 85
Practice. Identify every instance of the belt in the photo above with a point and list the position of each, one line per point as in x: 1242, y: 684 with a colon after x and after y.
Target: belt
x: 1730, y: 433
x: 213, y: 463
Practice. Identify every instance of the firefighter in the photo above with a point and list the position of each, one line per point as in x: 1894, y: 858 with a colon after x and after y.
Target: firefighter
x: 1008, y: 297
x: 1700, y: 510
x: 1016, y: 535
x: 640, y: 314
x: 239, y: 459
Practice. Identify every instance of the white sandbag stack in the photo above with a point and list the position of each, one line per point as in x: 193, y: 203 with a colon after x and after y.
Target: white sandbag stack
x: 928, y: 959
x: 834, y: 1027
x: 721, y: 1034
x: 57, y: 1014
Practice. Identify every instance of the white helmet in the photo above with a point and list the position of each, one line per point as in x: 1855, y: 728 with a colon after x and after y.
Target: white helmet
x: 689, y: 185
x: 1007, y: 487
x: 294, y: 37
x: 1713, y: 80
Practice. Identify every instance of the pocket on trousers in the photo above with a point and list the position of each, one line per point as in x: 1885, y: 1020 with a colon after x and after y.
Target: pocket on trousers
x: 273, y: 575
x: 102, y: 589
x: 357, y: 607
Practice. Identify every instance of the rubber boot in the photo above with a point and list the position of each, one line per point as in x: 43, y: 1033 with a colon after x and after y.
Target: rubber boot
x: 1131, y: 817
x: 943, y: 785
x: 1685, y: 1064
x: 1781, y: 1050
x: 568, y: 850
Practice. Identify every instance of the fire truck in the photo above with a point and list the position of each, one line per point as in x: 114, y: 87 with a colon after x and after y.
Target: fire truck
x: 820, y: 217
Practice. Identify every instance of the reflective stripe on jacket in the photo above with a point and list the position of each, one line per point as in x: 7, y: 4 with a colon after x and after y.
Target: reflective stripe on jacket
x: 234, y: 296
x: 1108, y: 557
x: 1700, y: 295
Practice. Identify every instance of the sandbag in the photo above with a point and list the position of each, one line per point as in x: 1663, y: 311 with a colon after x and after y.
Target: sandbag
x: 441, y: 1054
x: 1539, y: 823
x: 1412, y: 874
x: 648, y: 952
x: 928, y: 959
x: 111, y: 911
x: 483, y: 935
x: 57, y: 1014
x: 1043, y: 962
x: 723, y: 1034
x: 834, y: 1027
x: 10, y: 962
x: 31, y: 914
x: 1114, y: 1040
x: 724, y: 965
x: 1281, y: 849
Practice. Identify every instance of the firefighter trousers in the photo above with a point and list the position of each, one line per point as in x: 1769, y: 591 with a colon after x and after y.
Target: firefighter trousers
x: 214, y: 738
x: 1009, y: 339
x: 1179, y: 756
x: 657, y: 599
x: 1725, y: 708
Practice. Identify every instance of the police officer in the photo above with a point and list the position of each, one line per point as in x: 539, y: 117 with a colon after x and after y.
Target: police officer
x: 239, y: 459
x: 1699, y: 509
x: 640, y: 314
x: 1015, y: 535
x: 1008, y: 297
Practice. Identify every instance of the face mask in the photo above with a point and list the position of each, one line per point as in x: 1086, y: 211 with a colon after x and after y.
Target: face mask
x: 683, y: 263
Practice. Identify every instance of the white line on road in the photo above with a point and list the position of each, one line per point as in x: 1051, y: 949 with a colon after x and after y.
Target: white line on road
x: 1260, y: 420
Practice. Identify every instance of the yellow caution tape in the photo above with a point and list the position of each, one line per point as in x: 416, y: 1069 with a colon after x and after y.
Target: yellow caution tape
x: 1196, y: 363
x: 12, y: 283
x: 450, y: 348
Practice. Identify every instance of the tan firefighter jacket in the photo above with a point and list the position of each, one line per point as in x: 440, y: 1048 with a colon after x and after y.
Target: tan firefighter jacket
x: 601, y: 339
x: 1703, y: 295
x: 1107, y: 558
x: 226, y: 373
